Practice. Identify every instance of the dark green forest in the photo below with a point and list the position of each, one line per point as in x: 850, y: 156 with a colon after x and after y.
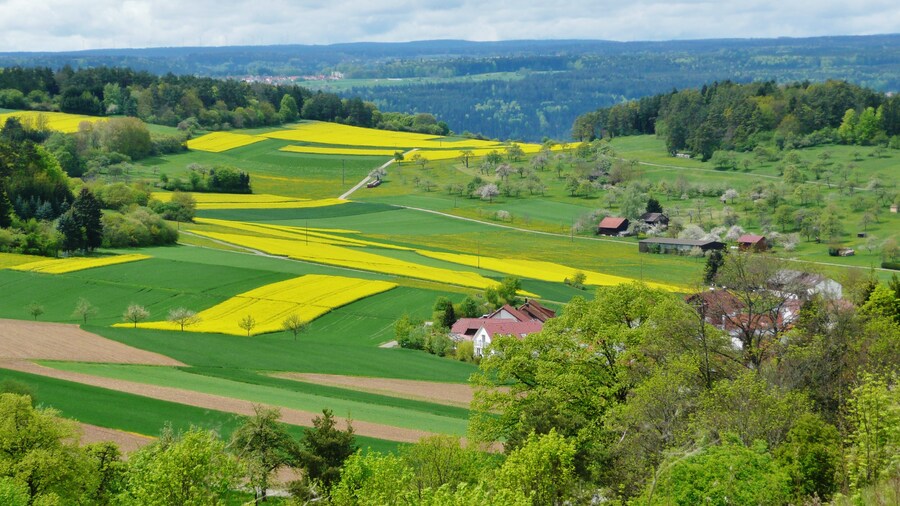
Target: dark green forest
x: 524, y: 89
x: 730, y: 116
x: 190, y: 102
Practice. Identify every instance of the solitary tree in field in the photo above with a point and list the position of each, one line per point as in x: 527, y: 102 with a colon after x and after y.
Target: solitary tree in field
x: 247, y: 323
x: 35, y: 310
x: 135, y: 313
x: 419, y: 159
x: 183, y: 317
x: 465, y: 155
x: 84, y: 309
x: 294, y: 324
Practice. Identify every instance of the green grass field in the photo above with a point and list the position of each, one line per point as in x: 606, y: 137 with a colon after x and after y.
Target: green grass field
x: 367, y: 409
x: 141, y: 415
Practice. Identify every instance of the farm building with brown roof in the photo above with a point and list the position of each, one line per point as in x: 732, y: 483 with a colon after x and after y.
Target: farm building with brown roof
x: 612, y: 225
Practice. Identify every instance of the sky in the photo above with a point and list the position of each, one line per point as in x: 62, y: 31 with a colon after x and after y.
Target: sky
x: 68, y: 25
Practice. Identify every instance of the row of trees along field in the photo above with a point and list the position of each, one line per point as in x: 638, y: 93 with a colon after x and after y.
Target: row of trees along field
x: 631, y: 398
x: 190, y: 102
x: 730, y: 116
x: 40, y: 214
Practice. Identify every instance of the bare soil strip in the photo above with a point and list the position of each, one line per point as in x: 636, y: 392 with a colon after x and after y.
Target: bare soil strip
x: 22, y: 339
x: 128, y: 442
x: 217, y: 402
x: 451, y: 394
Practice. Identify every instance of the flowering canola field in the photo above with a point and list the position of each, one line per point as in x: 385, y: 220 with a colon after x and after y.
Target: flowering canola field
x: 218, y: 142
x: 308, y: 297
x: 64, y: 265
x: 352, y: 258
x: 536, y: 269
x: 12, y: 259
x: 314, y: 235
x: 323, y: 150
x: 56, y: 121
x: 207, y: 201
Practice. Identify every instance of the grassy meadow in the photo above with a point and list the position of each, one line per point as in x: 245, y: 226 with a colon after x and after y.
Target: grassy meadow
x: 419, y: 219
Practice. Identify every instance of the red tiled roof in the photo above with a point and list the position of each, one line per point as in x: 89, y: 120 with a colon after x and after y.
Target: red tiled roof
x: 536, y: 311
x: 518, y: 315
x: 507, y: 327
x: 750, y: 238
x: 466, y: 326
x: 611, y: 222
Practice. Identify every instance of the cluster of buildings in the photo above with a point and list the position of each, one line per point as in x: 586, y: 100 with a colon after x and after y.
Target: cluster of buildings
x: 618, y: 226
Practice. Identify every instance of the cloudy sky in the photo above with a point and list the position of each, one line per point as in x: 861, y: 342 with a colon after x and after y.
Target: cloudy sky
x: 61, y: 25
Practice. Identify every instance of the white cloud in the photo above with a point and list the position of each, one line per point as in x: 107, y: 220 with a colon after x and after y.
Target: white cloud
x: 58, y: 25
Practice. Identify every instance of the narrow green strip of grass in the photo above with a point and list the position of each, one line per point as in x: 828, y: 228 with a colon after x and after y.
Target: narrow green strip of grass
x: 142, y: 415
x: 174, y: 378
x: 255, y: 378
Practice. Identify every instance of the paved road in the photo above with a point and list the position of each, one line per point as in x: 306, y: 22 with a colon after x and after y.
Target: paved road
x: 365, y: 180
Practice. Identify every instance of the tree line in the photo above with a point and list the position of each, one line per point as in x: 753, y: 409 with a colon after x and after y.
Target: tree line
x: 730, y: 116
x: 189, y: 101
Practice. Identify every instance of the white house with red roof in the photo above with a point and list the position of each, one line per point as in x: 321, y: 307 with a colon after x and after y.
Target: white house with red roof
x: 527, y: 319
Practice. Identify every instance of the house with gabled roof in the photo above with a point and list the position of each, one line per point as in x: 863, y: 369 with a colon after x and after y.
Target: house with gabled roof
x: 527, y: 319
x: 612, y: 225
x: 654, y: 219
x: 752, y: 242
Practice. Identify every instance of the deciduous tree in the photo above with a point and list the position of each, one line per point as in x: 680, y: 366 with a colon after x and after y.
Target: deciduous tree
x: 135, y: 313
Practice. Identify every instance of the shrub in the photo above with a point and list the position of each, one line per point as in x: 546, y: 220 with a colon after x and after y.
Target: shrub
x: 138, y: 226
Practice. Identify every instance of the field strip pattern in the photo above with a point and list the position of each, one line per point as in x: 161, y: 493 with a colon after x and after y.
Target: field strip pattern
x: 73, y: 264
x: 214, y: 402
x: 537, y: 269
x: 352, y: 258
x: 24, y: 340
x: 297, y: 233
x: 308, y: 297
x: 450, y: 394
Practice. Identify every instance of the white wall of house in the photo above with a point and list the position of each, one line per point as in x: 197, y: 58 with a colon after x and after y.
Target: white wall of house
x: 482, y: 340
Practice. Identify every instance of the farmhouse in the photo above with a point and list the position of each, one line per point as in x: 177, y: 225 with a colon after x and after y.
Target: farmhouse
x: 677, y: 246
x: 612, y: 225
x: 751, y: 242
x: 527, y: 319
x: 654, y: 219
x: 805, y: 284
x: 725, y: 311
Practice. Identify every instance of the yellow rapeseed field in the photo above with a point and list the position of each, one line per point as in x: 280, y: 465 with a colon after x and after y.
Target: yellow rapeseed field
x: 218, y: 142
x: 352, y: 258
x: 536, y: 269
x: 308, y: 297
x: 72, y: 264
x: 345, y: 135
x: 206, y: 201
x: 55, y: 121
x: 321, y: 150
x: 12, y: 259
x: 313, y: 235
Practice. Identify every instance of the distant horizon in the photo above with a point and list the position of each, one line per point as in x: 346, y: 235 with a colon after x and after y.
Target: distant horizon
x: 79, y: 25
x: 447, y: 40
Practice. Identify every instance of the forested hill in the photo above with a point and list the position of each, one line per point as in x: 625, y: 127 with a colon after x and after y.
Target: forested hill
x: 518, y: 89
x: 729, y: 116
